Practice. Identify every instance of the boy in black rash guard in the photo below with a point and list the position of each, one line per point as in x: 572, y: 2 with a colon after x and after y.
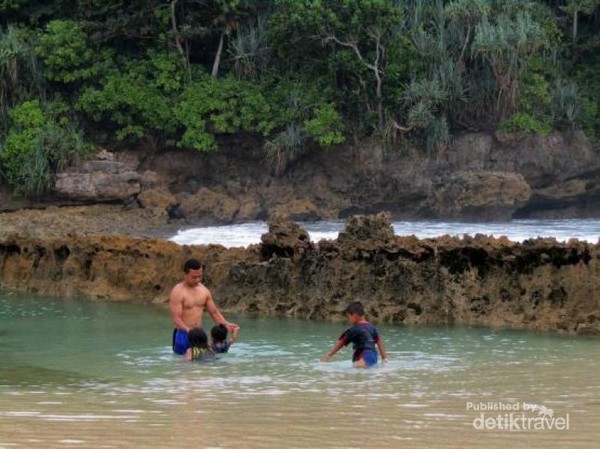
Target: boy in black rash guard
x: 219, y: 343
x: 364, y: 337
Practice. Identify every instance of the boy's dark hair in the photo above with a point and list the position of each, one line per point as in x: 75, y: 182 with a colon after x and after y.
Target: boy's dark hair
x: 219, y: 333
x: 192, y: 264
x: 198, y: 338
x: 355, y: 308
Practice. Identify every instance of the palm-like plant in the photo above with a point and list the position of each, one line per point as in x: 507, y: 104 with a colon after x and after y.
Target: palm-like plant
x: 507, y: 44
x: 249, y: 51
x: 285, y: 148
x: 566, y: 108
x: 20, y: 75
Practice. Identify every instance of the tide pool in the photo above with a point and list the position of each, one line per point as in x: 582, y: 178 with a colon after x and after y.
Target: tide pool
x: 87, y: 374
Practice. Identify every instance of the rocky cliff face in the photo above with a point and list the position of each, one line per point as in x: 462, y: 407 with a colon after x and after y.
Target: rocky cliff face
x: 479, y: 177
x: 539, y: 284
x: 104, y: 178
x: 562, y: 170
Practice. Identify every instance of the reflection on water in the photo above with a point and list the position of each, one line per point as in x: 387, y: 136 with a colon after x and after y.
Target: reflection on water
x: 77, y: 374
x: 516, y: 230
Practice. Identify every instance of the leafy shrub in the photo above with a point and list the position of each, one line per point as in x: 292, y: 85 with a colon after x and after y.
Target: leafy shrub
x: 153, y: 97
x: 566, y: 107
x: 287, y: 146
x: 211, y: 106
x: 588, y: 94
x: 138, y: 98
x: 325, y: 126
x: 66, y: 53
x: 20, y: 76
x: 527, y: 123
x: 40, y: 141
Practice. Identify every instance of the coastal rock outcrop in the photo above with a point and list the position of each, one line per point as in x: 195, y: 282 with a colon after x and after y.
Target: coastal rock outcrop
x: 479, y: 176
x: 562, y: 169
x: 479, y: 194
x: 206, y: 203
x: 102, y: 178
x: 538, y: 284
x: 104, y: 219
x: 284, y: 239
x: 156, y: 198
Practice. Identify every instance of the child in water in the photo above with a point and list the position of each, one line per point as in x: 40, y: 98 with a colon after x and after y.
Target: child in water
x: 363, y: 335
x: 199, y: 350
x: 219, y: 343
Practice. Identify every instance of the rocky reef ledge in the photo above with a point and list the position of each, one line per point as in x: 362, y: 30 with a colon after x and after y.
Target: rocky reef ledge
x: 538, y: 284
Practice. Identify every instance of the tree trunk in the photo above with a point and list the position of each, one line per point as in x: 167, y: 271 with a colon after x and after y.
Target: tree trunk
x: 184, y: 57
x: 379, y: 94
x: 575, y: 20
x: 215, y: 68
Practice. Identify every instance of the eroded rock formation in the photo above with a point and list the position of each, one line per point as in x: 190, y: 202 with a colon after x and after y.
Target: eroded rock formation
x: 478, y: 177
x: 539, y: 284
x: 479, y: 194
x: 102, y: 178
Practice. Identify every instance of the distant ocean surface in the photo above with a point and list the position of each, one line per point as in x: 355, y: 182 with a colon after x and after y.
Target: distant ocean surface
x: 517, y: 230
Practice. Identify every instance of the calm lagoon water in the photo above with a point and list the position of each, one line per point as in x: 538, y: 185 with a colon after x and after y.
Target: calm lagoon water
x: 516, y: 230
x: 82, y: 374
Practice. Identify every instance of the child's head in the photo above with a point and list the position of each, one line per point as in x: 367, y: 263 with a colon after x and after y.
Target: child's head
x: 355, y: 312
x: 198, y: 338
x: 219, y: 333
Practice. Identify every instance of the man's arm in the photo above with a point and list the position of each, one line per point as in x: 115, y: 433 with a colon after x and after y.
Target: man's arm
x: 176, y: 307
x: 217, y: 316
x: 234, y: 334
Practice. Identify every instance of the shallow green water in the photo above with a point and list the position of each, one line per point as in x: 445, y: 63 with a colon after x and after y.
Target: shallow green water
x: 81, y: 374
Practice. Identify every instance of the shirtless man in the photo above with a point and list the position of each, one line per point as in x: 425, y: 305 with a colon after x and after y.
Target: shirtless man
x: 189, y: 299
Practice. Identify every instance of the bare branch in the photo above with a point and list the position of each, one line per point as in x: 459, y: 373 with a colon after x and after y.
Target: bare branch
x: 354, y: 47
x: 376, y: 35
x: 400, y: 128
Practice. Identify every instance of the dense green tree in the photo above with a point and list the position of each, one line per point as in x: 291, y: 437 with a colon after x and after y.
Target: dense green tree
x: 301, y: 74
x: 508, y: 43
x: 66, y: 52
x: 42, y: 139
x: 20, y: 74
x: 576, y: 7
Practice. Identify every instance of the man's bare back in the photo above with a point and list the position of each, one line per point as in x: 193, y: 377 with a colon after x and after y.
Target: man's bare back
x: 190, y: 298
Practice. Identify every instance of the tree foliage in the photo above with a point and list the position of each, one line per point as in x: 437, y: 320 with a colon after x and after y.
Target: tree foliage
x: 302, y: 74
x: 41, y: 140
x: 20, y: 75
x: 66, y: 52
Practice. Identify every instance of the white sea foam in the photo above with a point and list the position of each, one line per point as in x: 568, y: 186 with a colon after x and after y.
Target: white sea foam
x: 241, y: 235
